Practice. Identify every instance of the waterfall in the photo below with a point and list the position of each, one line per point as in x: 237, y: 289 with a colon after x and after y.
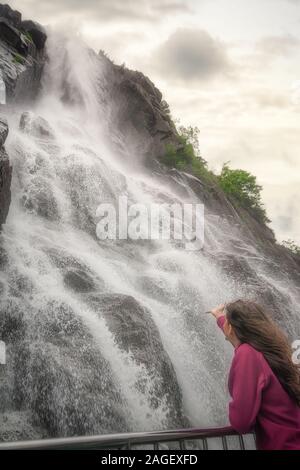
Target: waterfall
x: 107, y: 336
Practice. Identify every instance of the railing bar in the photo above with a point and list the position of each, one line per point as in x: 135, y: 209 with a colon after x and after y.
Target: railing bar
x: 155, y: 445
x: 242, y: 443
x: 224, y: 443
x: 121, y: 441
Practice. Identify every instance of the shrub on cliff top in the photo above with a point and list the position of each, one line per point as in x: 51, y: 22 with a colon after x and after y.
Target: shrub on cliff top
x: 186, y: 157
x: 242, y: 188
x: 239, y: 185
x: 292, y: 246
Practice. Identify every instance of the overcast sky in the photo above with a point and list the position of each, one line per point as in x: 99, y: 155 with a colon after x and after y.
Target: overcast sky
x: 230, y: 67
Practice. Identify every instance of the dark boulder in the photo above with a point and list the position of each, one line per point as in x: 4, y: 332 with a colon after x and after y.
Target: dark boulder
x: 3, y: 261
x: 136, y: 333
x: 141, y: 113
x: 62, y: 377
x: 14, y: 17
x: 68, y: 389
x: 12, y: 323
x: 39, y: 198
x: 36, y: 31
x: 79, y: 281
x: 18, y: 426
x: 3, y: 131
x: 138, y: 112
x: 22, y: 57
x: 13, y: 37
x: 5, y: 173
x: 36, y: 126
x: 5, y: 182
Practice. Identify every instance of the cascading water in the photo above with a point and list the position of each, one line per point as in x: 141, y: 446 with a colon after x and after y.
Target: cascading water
x: 106, y: 336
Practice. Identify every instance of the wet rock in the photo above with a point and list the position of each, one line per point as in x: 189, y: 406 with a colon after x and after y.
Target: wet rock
x: 21, y: 61
x: 129, y: 321
x: 5, y: 183
x: 136, y: 333
x: 58, y: 375
x: 77, y: 276
x: 62, y: 259
x: 13, y: 37
x: 68, y: 387
x: 12, y: 326
x: 14, y: 17
x: 12, y: 323
x: 6, y: 387
x: 20, y: 284
x: 39, y: 199
x: 3, y: 257
x: 87, y: 186
x: 238, y: 268
x: 36, y: 31
x: 19, y: 426
x: 36, y: 126
x: 3, y: 131
x: 5, y: 174
x: 154, y: 288
x: 279, y: 305
x: 138, y: 112
x: 57, y: 323
x: 79, y: 281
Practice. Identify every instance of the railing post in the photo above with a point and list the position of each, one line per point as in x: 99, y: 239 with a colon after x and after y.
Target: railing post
x: 242, y: 444
x: 205, y: 444
x: 224, y: 442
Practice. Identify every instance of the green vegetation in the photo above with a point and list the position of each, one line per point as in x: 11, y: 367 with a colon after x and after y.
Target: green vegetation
x: 28, y: 36
x: 186, y: 156
x: 239, y: 185
x: 292, y: 246
x: 191, y: 134
x: 179, y: 157
x: 242, y: 187
x: 18, y: 58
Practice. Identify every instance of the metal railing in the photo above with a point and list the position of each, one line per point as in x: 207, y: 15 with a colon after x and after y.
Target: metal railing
x: 183, y: 439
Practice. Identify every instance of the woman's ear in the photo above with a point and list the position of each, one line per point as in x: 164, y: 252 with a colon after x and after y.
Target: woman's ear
x: 228, y: 330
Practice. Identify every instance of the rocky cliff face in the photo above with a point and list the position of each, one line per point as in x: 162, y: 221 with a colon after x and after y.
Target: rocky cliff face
x: 22, y: 55
x: 5, y: 173
x: 22, y: 59
x: 138, y: 111
x: 142, y: 116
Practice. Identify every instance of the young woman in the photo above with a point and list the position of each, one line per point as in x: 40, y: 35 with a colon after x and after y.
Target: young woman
x: 264, y: 383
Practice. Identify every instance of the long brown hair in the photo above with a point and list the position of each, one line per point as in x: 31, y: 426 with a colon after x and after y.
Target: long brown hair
x: 253, y: 325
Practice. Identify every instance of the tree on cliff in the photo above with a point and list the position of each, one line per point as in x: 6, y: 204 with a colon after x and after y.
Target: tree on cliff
x: 243, y: 188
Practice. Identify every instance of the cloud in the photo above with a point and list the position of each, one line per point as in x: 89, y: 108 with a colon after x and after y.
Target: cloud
x: 278, y: 45
x: 284, y: 211
x: 266, y: 98
x: 102, y: 10
x: 191, y: 55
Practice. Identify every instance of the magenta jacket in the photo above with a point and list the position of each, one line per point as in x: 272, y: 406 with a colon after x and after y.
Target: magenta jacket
x: 259, y: 402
